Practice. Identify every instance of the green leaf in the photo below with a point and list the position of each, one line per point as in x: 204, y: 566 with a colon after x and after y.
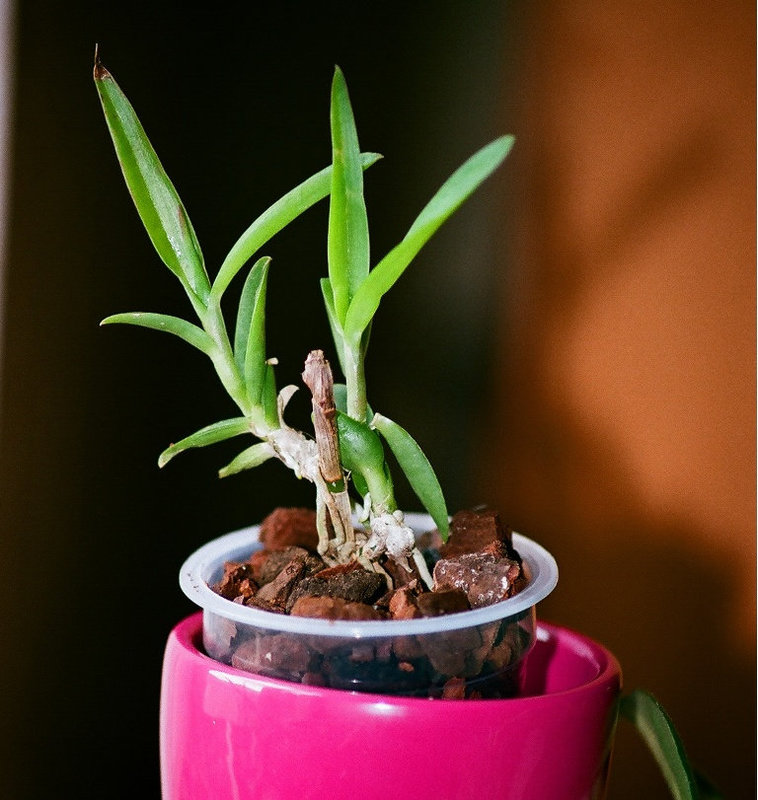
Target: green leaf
x: 274, y: 219
x: 361, y: 452
x: 190, y: 333
x: 251, y: 457
x: 450, y: 196
x: 217, y: 432
x: 334, y: 325
x: 658, y: 732
x: 269, y: 397
x: 348, y: 241
x: 361, y: 486
x: 155, y: 197
x: 250, y: 332
x: 417, y: 469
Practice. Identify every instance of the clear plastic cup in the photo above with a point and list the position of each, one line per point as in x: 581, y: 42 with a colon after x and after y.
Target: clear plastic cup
x: 477, y: 653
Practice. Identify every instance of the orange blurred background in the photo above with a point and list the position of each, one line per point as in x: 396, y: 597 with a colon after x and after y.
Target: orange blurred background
x: 624, y: 416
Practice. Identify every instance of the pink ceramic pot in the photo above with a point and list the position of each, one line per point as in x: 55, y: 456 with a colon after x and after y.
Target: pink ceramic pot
x: 231, y: 735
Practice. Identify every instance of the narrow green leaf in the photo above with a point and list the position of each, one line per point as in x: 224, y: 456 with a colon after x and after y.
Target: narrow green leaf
x: 658, y: 732
x: 334, y: 325
x: 269, y: 397
x: 250, y: 332
x: 155, y: 197
x: 190, y: 333
x: 271, y: 221
x: 248, y: 300
x: 348, y: 241
x: 361, y: 452
x: 417, y: 469
x: 450, y: 196
x: 251, y: 457
x: 217, y: 432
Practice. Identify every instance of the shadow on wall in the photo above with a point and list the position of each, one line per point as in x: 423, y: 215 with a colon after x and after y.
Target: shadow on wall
x: 625, y: 403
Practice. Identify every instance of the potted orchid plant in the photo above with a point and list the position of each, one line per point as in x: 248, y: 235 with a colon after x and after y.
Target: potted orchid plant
x: 353, y: 594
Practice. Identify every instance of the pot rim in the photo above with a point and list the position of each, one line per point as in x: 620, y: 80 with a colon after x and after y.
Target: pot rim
x: 205, y: 565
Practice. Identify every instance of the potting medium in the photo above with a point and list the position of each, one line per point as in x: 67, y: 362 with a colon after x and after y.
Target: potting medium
x: 484, y: 647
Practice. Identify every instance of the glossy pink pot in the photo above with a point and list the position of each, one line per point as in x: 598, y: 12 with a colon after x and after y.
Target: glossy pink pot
x: 231, y: 735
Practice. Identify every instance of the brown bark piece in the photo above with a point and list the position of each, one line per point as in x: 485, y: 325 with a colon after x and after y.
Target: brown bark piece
x: 471, y: 531
x: 237, y: 581
x: 256, y: 561
x: 399, y: 574
x: 278, y: 560
x: 486, y: 579
x: 289, y: 527
x: 277, y: 591
x: 337, y: 569
x: 333, y: 608
x: 278, y: 653
x: 450, y: 654
x: 454, y: 689
x: 402, y: 604
x: 445, y: 601
x: 356, y: 586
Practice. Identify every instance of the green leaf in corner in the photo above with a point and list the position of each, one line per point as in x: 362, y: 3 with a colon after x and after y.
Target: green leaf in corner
x: 190, y: 333
x: 158, y: 204
x: 456, y: 189
x: 217, y: 432
x: 348, y: 240
x: 251, y: 457
x: 417, y: 469
x: 657, y: 731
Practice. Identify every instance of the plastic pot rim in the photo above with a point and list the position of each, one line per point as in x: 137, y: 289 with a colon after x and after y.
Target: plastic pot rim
x: 205, y: 566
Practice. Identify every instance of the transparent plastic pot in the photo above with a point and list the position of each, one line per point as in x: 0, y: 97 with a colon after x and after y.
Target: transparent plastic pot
x: 479, y: 652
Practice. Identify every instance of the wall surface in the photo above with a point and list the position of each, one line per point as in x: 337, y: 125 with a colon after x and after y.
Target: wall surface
x: 623, y: 423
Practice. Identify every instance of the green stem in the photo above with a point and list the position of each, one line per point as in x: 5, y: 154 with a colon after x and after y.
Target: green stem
x: 355, y: 379
x: 223, y: 360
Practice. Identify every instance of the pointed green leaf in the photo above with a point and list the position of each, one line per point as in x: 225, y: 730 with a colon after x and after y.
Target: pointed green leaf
x: 190, y: 333
x: 251, y: 457
x: 250, y: 333
x: 658, y: 732
x: 248, y: 300
x: 334, y: 325
x: 348, y: 241
x: 217, y: 432
x: 417, y: 469
x: 269, y: 397
x: 450, y: 196
x: 274, y: 219
x: 155, y: 197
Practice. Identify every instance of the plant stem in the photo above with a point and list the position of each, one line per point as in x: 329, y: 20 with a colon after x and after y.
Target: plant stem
x: 355, y: 379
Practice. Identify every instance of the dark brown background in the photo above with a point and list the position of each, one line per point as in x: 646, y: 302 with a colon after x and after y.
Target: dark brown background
x: 577, y: 346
